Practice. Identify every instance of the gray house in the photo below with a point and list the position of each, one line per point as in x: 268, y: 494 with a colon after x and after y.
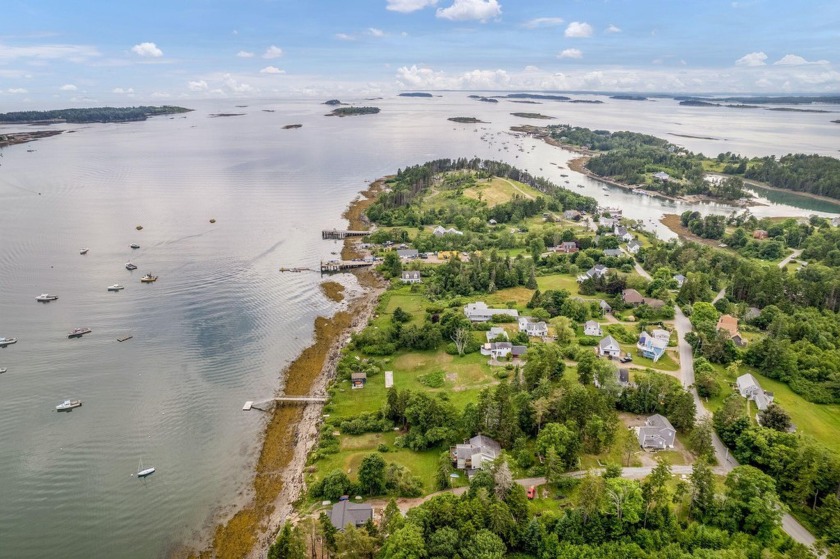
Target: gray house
x: 345, y: 513
x: 480, y: 312
x: 475, y: 453
x: 609, y: 347
x: 657, y: 433
x: 749, y: 388
x: 412, y: 276
x: 612, y: 252
x: 408, y: 253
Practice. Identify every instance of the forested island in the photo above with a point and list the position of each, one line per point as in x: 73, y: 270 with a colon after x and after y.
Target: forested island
x: 416, y: 94
x: 629, y: 97
x: 352, y: 111
x: 766, y: 100
x: 512, y: 431
x: 333, y: 102
x: 24, y: 137
x: 466, y: 120
x: 90, y: 115
x: 537, y: 96
x: 532, y: 115
x: 651, y: 163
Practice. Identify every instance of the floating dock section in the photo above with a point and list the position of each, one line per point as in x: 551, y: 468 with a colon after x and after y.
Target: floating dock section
x: 343, y: 265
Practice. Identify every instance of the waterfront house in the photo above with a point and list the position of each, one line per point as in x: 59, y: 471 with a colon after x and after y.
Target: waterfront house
x: 657, y: 433
x: 344, y: 513
x: 480, y: 312
x: 632, y: 297
x: 608, y: 222
x: 412, y: 276
x: 662, y: 176
x: 572, y: 214
x: 633, y: 247
x: 622, y: 233
x: 592, y: 328
x: 358, y: 380
x: 609, y: 347
x: 651, y: 347
x: 476, y: 453
x: 532, y: 326
x: 495, y: 332
x: 749, y: 388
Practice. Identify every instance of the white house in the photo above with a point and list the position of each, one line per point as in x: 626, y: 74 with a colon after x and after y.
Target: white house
x: 495, y: 332
x: 661, y: 175
x: 633, y: 247
x: 622, y: 233
x: 592, y: 328
x: 412, y: 276
x: 651, y: 347
x: 661, y: 335
x: 749, y: 388
x: 609, y: 347
x: 497, y: 350
x: 657, y: 433
x: 408, y: 253
x: 532, y: 327
x: 479, y: 451
x: 680, y: 279
x: 439, y: 231
x: 607, y: 222
x: 480, y: 312
x: 597, y: 271
x: 604, y: 306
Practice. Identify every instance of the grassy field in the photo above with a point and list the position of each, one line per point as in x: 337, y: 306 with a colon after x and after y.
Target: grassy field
x: 557, y: 282
x: 497, y: 191
x: 402, y: 297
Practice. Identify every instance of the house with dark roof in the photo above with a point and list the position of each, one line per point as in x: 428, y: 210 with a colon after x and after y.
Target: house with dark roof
x: 657, y: 433
x: 345, y: 513
x: 596, y: 271
x: 478, y: 452
x: 622, y: 233
x: 358, y: 380
x: 634, y: 246
x: 410, y: 276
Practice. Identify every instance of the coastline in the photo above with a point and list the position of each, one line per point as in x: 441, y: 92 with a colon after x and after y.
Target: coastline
x: 292, y: 431
x: 672, y: 222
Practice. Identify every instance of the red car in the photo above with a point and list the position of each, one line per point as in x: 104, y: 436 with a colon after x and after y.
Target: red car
x: 532, y: 492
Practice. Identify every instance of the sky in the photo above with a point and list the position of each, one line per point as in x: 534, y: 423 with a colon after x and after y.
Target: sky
x: 56, y: 52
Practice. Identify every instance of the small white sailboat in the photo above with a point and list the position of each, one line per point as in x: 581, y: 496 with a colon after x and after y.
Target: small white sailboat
x: 115, y: 287
x: 144, y: 472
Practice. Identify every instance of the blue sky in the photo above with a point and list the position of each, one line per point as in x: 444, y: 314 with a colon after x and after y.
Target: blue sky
x: 53, y: 52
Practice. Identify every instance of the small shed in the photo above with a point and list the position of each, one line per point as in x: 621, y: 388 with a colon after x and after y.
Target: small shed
x: 358, y: 380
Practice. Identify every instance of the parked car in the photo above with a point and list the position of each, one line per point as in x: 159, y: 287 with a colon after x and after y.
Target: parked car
x: 626, y: 358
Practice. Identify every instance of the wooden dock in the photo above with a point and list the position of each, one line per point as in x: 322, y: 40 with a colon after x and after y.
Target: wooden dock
x: 285, y: 400
x: 341, y: 234
x: 343, y: 265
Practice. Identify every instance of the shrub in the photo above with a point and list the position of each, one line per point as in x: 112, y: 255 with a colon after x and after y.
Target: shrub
x: 432, y: 380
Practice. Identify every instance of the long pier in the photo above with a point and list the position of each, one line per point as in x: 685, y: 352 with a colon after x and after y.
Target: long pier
x: 286, y: 400
x: 342, y: 265
x: 342, y: 234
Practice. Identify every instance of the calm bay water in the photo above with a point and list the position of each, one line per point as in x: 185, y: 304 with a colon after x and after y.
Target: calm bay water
x: 221, y: 322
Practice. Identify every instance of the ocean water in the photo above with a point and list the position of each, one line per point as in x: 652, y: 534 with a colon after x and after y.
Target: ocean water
x: 221, y: 322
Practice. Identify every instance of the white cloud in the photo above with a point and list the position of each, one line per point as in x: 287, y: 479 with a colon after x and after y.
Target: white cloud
x: 462, y: 10
x: 15, y: 90
x: 752, y: 59
x: 245, y: 54
x: 415, y: 77
x: 272, y: 70
x: 199, y: 85
x: 121, y: 90
x: 344, y: 37
x: 542, y: 22
x: 147, y: 49
x: 613, y: 29
x: 374, y: 32
x: 407, y: 6
x: 161, y: 95
x: 68, y: 87
x: 570, y: 53
x: 73, y: 53
x: 794, y: 60
x: 273, y: 52
x: 578, y: 29
x: 237, y: 87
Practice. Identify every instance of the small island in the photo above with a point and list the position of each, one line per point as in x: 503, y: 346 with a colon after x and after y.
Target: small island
x: 24, y: 137
x: 466, y: 120
x: 333, y: 102
x: 588, y: 101
x: 485, y: 99
x: 836, y: 121
x: 220, y: 115
x: 291, y: 126
x: 532, y: 115
x: 538, y: 96
x: 353, y: 111
x: 416, y: 94
x: 91, y: 115
x: 629, y: 97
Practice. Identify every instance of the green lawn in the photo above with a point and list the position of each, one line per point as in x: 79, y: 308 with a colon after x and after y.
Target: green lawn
x: 557, y: 282
x: 496, y: 190
x: 665, y: 363
x: 412, y: 303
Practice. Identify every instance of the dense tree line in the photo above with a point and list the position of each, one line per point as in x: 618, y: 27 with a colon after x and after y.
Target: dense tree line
x: 813, y: 174
x: 98, y: 114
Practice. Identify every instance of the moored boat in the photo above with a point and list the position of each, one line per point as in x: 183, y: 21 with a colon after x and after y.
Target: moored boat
x: 130, y: 266
x: 79, y: 332
x: 68, y: 405
x: 148, y: 278
x: 115, y: 287
x: 7, y: 341
x: 46, y: 298
x: 3, y: 370
x: 83, y: 250
x: 135, y: 245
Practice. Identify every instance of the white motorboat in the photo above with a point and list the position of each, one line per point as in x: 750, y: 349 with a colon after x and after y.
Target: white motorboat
x: 7, y: 341
x: 115, y: 287
x: 83, y: 250
x: 3, y: 370
x: 68, y: 405
x: 46, y: 298
x: 144, y: 472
